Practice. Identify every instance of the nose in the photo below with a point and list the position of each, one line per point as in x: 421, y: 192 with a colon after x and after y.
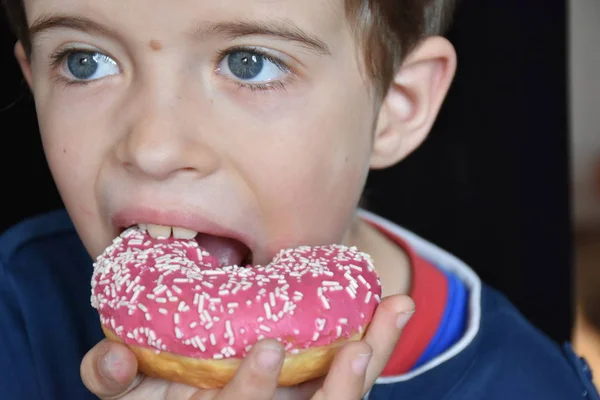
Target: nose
x: 160, y: 143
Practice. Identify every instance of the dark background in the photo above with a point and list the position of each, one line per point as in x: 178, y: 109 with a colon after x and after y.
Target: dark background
x: 490, y: 184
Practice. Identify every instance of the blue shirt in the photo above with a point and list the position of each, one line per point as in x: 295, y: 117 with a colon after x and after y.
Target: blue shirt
x: 47, y: 325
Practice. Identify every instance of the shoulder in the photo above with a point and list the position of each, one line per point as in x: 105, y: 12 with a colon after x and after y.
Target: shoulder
x: 49, y: 227
x: 500, y: 355
x: 508, y: 358
x: 516, y: 358
x: 46, y: 322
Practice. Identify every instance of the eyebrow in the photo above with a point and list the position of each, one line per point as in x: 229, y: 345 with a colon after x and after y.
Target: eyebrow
x: 281, y: 29
x: 48, y: 22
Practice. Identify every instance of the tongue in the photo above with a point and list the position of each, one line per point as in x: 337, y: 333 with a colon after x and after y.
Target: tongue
x: 226, y: 251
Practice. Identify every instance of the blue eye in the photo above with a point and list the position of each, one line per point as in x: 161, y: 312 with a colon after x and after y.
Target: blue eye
x: 252, y: 67
x: 89, y: 65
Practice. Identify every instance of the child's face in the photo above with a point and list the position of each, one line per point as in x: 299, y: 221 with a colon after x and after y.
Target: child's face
x: 190, y: 113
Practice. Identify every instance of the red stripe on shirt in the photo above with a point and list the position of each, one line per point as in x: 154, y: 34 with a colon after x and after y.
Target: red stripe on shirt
x: 429, y: 291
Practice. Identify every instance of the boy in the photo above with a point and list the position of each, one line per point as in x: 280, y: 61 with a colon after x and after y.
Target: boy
x: 251, y: 124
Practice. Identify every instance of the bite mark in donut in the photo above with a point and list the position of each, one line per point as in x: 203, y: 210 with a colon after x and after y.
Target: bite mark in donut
x: 169, y: 295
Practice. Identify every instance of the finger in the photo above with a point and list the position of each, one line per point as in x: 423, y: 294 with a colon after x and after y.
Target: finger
x: 383, y: 333
x: 346, y: 377
x: 301, y: 391
x: 257, y: 376
x: 109, y: 370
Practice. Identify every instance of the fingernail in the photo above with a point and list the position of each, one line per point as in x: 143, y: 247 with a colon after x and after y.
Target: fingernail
x: 359, y: 365
x: 269, y: 358
x: 111, y: 364
x: 403, y: 319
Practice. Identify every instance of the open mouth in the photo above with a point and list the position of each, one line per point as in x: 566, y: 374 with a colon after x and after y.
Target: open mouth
x: 228, y: 251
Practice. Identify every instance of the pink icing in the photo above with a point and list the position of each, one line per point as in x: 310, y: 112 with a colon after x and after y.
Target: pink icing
x: 170, y: 295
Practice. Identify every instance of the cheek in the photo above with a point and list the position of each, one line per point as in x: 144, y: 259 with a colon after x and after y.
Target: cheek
x: 73, y: 153
x: 309, y: 175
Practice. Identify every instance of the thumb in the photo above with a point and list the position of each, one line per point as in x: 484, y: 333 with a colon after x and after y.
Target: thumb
x: 109, y: 370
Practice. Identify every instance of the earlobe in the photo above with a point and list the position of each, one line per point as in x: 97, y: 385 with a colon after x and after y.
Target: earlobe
x: 24, y: 62
x: 413, y: 101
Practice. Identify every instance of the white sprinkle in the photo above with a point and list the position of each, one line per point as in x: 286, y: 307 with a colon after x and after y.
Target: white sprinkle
x: 321, y: 323
x: 265, y: 328
x: 350, y: 292
x: 211, y: 272
x: 161, y: 300
x: 131, y: 285
x: 338, y: 330
x: 315, y: 337
x: 325, y: 302
x: 182, y: 306
x: 228, y: 328
x: 344, y: 321
x: 213, y: 341
x: 162, y: 311
x: 272, y: 299
x: 177, y: 289
x: 148, y: 317
x: 142, y: 307
x: 176, y: 318
x: 178, y: 333
x: 199, y: 343
x: 201, y: 305
x: 193, y: 324
x: 268, y: 310
x: 159, y: 289
x: 368, y: 298
x: 232, y: 305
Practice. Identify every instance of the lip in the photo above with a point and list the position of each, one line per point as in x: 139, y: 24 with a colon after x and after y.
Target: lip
x: 194, y: 221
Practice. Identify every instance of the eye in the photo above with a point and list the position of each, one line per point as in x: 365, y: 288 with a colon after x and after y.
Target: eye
x: 89, y: 65
x: 252, y: 66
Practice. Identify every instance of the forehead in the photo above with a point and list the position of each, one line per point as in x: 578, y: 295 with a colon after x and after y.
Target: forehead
x: 172, y: 17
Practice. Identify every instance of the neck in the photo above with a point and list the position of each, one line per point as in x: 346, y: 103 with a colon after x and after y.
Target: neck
x: 391, y: 262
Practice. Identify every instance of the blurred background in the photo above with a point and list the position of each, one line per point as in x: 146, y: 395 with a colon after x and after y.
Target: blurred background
x: 584, y: 64
x: 509, y: 179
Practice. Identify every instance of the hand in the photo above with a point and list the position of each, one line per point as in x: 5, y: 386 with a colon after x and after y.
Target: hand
x: 109, y: 370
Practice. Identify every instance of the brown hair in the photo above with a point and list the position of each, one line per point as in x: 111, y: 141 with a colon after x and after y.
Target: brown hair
x: 388, y: 29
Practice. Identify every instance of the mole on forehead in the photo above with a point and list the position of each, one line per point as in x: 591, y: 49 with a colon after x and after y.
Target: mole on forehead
x: 155, y: 45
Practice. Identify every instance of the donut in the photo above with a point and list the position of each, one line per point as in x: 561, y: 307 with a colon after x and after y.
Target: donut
x: 189, y: 320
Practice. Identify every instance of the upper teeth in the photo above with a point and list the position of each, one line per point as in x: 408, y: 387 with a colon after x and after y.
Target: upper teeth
x: 164, y: 232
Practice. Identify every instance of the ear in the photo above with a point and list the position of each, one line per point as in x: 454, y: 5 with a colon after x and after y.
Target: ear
x: 24, y: 62
x: 413, y: 101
